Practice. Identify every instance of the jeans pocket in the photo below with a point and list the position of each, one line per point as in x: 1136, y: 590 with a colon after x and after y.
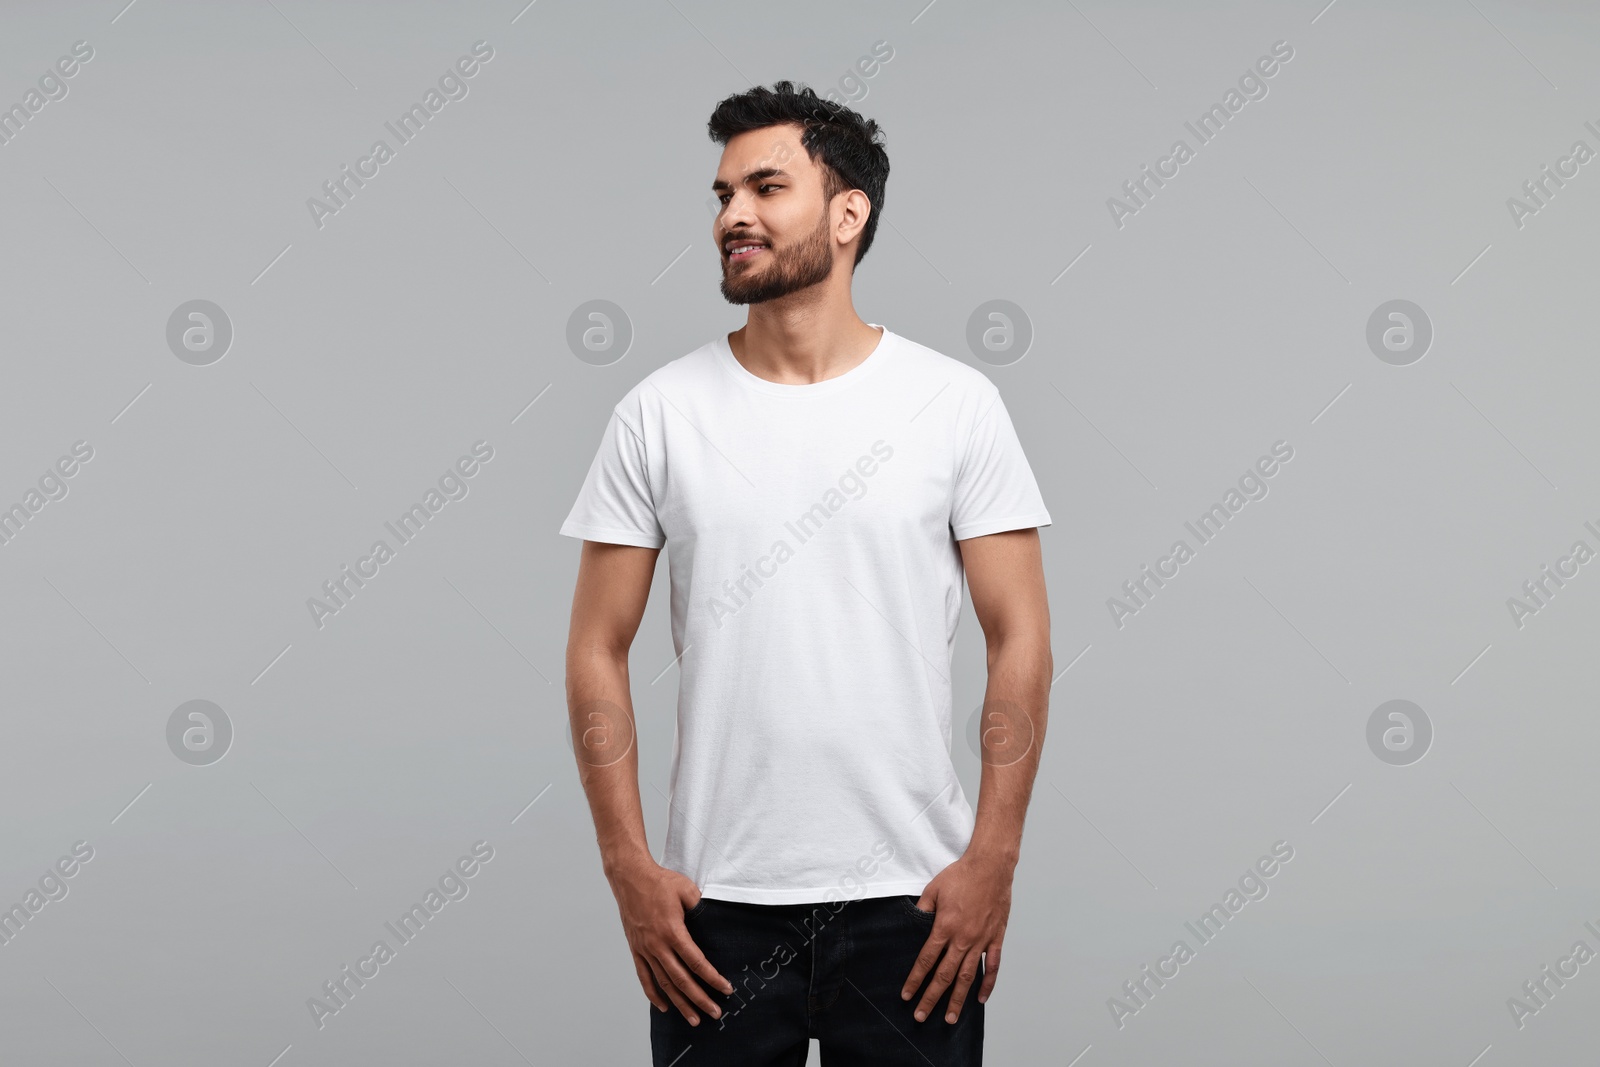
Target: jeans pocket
x: 911, y: 906
x: 698, y: 908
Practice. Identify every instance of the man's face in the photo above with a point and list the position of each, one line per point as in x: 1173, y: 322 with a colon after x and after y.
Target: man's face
x: 771, y: 195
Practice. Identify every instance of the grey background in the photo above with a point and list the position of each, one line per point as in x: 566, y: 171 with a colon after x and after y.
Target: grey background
x: 370, y: 354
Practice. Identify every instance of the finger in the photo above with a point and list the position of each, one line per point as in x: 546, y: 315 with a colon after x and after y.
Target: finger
x: 687, y: 985
x: 943, y: 975
x: 924, y: 963
x: 678, y: 999
x: 696, y: 961
x: 652, y: 991
x: 965, y: 974
x: 991, y: 971
x: 669, y: 990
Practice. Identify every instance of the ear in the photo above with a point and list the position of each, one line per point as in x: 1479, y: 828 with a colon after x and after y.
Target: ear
x: 855, y: 210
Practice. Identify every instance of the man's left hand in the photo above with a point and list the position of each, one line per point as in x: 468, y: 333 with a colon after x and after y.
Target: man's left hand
x: 971, y: 902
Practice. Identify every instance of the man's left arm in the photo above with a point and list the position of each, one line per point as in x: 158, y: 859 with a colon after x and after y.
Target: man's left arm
x: 971, y: 898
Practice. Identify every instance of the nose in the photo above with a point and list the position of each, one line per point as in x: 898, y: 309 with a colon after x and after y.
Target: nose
x: 735, y: 211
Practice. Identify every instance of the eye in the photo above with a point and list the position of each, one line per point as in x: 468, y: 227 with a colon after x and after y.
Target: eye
x: 723, y: 198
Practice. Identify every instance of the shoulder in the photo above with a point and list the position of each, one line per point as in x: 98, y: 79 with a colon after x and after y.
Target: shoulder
x: 678, y: 377
x: 973, y: 389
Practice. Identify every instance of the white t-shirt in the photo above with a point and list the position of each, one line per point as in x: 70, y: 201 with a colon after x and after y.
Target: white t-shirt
x: 816, y: 585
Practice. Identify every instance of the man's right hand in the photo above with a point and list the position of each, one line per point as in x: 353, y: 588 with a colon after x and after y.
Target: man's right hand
x: 652, y: 900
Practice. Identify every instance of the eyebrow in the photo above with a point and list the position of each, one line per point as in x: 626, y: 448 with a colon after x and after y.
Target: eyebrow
x: 764, y: 172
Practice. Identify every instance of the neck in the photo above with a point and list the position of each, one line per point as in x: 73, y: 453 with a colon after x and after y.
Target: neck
x: 799, y: 348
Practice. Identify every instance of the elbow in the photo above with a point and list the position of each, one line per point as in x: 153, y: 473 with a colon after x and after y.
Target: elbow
x: 1026, y: 645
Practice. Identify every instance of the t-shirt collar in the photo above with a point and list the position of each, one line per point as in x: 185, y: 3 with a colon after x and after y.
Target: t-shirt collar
x: 875, y: 359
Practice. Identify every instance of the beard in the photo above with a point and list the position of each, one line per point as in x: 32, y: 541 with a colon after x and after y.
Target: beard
x: 788, y: 270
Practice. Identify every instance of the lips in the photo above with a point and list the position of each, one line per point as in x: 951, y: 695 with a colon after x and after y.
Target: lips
x: 751, y: 250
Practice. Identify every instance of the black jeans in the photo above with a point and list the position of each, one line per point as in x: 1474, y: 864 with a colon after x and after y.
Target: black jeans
x: 827, y: 971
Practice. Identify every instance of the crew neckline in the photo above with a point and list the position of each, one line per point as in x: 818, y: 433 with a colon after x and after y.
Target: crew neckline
x: 874, y: 359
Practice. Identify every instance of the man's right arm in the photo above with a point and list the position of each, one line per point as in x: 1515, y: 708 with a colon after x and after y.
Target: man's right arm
x: 607, y: 605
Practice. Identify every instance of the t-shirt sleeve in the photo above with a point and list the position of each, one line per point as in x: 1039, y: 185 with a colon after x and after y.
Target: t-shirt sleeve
x: 995, y: 489
x: 615, y: 504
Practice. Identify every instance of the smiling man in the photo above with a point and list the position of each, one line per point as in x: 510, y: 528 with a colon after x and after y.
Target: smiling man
x: 822, y: 486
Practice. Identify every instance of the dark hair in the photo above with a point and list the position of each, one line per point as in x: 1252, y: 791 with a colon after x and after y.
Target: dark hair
x: 849, y: 146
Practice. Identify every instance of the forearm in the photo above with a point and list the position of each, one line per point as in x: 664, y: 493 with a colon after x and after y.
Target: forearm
x: 605, y: 742
x: 1011, y: 736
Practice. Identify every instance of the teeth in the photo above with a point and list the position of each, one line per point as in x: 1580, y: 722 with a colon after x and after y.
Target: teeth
x: 743, y: 248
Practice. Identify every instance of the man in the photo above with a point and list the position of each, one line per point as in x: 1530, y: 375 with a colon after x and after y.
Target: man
x: 820, y: 484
